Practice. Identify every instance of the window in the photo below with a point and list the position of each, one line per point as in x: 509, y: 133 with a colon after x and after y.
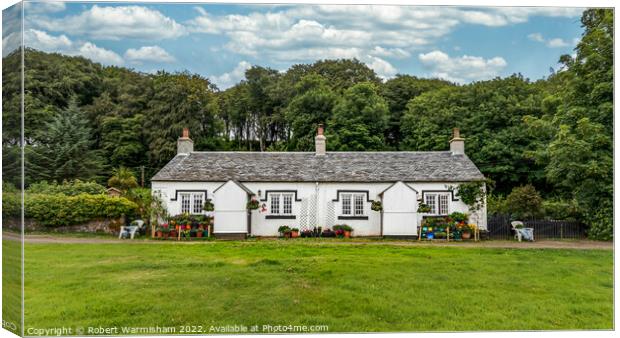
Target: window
x: 281, y: 203
x: 185, y: 202
x: 275, y: 203
x: 192, y: 203
x: 287, y: 204
x: 359, y: 204
x: 197, y: 203
x: 438, y: 203
x: 346, y: 204
x: 353, y: 204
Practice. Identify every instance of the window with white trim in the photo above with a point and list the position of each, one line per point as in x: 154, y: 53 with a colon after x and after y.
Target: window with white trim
x: 192, y: 203
x: 439, y: 203
x: 281, y: 203
x: 352, y: 204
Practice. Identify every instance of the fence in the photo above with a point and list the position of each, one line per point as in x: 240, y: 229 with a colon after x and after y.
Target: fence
x: 499, y: 228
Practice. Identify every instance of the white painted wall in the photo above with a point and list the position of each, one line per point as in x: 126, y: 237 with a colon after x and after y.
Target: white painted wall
x: 316, y: 208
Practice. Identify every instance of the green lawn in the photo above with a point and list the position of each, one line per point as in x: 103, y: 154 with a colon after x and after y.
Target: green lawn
x: 347, y: 287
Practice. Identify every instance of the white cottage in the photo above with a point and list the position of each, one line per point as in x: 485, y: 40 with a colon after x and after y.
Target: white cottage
x: 308, y: 189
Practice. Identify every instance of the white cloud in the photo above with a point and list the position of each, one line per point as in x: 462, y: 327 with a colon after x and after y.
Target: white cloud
x: 41, y: 7
x: 536, y: 37
x: 116, y: 23
x: 557, y: 42
x: 91, y: 51
x: 383, y: 68
x: 461, y: 69
x: 229, y: 79
x: 148, y: 53
x: 62, y: 44
x: 43, y: 41
x: 379, y: 34
x: 552, y: 43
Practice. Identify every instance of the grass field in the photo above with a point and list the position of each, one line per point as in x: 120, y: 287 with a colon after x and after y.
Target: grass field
x: 346, y: 287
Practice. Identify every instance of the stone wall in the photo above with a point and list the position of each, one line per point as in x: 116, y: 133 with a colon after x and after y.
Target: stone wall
x: 109, y: 226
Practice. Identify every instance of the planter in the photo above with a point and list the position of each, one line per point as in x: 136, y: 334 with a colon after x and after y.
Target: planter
x: 466, y: 235
x: 287, y: 234
x: 294, y: 234
x: 199, y: 233
x: 165, y: 235
x: 173, y: 233
x: 347, y: 234
x: 159, y: 234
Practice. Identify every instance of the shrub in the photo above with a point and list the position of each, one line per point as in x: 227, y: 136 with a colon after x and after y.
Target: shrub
x: 343, y: 227
x: 601, y: 222
x: 70, y: 188
x: 496, y: 205
x: 524, y: 202
x: 561, y: 209
x: 11, y: 205
x: 59, y: 210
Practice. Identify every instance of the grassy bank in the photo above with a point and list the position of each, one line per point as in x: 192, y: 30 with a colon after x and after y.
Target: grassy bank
x: 348, y: 288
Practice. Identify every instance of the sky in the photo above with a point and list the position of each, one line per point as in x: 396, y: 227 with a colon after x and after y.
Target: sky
x: 221, y: 41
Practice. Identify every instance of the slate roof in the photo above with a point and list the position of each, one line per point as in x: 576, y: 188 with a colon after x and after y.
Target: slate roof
x: 427, y: 166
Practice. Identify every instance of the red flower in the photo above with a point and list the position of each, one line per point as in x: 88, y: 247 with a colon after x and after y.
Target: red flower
x: 188, y: 227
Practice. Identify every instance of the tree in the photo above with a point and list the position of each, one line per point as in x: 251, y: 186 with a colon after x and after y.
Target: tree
x: 122, y: 179
x: 64, y: 150
x: 524, y: 202
x: 312, y: 105
x: 397, y: 93
x: 359, y: 120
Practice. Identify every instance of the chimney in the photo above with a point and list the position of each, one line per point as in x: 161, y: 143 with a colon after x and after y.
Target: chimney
x: 457, y: 143
x: 185, y: 145
x: 319, y: 142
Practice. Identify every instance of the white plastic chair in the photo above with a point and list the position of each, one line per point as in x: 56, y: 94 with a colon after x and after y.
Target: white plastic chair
x: 132, y: 229
x: 521, y: 232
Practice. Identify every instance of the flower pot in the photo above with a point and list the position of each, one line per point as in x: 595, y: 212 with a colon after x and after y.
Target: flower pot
x: 199, y: 233
x: 347, y: 234
x: 159, y: 234
x: 466, y: 235
x: 294, y: 234
x: 173, y: 233
x: 287, y: 234
x: 165, y: 235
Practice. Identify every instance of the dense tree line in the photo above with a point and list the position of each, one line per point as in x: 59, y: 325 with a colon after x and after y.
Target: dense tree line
x: 83, y: 120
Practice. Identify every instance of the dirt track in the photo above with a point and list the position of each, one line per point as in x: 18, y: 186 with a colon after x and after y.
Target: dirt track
x: 543, y: 244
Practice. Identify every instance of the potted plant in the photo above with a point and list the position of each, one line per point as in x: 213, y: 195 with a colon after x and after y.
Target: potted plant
x: 343, y: 229
x: 294, y: 232
x: 376, y: 206
x: 307, y: 233
x: 200, y: 231
x: 165, y: 231
x: 283, y: 229
x: 252, y: 204
x: 208, y: 206
x: 328, y: 233
x: 174, y: 231
x: 160, y: 233
x: 424, y: 208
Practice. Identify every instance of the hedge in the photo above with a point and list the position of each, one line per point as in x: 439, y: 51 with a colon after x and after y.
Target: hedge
x: 59, y: 210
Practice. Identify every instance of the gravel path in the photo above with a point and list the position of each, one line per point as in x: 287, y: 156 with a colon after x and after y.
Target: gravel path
x: 543, y: 244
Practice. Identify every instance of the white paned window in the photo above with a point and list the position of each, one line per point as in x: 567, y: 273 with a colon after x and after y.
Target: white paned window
x: 197, y: 203
x: 281, y: 203
x: 192, y: 203
x: 275, y: 203
x: 438, y: 202
x: 287, y: 204
x: 352, y: 204
x: 346, y: 204
x: 185, y: 202
x: 359, y: 204
x: 443, y: 204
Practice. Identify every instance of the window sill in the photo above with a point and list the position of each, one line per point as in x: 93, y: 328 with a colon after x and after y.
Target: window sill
x: 280, y: 217
x: 353, y: 217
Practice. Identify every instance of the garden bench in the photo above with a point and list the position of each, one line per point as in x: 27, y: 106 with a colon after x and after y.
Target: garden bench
x: 131, y: 230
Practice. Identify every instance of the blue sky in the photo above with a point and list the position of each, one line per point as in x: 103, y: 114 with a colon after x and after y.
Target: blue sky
x: 461, y: 44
